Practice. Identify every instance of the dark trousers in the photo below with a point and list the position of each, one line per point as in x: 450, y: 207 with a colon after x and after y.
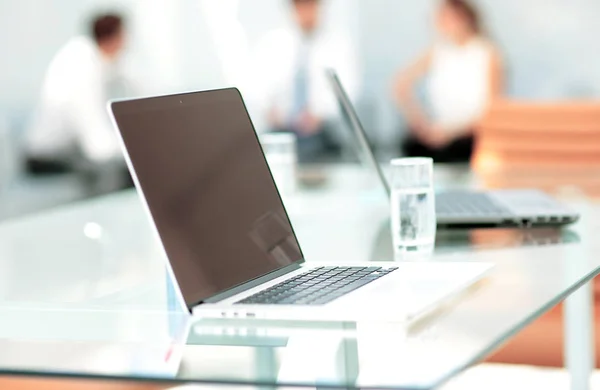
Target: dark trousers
x: 315, y: 148
x: 47, y: 167
x: 50, y: 167
x: 458, y: 151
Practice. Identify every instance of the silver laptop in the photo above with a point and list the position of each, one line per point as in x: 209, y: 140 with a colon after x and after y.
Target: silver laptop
x: 468, y: 209
x: 200, y: 171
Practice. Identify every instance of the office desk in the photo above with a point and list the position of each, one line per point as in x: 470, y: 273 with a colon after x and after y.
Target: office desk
x: 84, y: 293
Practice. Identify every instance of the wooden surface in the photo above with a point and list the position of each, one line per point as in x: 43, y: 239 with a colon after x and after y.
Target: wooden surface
x: 18, y: 383
x: 541, y: 343
x: 543, y: 145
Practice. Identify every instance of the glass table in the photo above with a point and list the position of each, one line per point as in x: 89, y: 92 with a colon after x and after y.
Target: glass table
x: 84, y: 293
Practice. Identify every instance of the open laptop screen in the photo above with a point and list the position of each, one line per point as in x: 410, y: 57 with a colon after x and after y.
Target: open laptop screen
x: 205, y: 180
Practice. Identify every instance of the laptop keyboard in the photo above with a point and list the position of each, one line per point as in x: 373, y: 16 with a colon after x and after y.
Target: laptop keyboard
x: 467, y: 203
x: 317, y: 286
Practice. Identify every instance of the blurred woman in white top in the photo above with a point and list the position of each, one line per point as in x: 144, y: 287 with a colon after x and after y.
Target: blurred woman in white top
x: 464, y: 74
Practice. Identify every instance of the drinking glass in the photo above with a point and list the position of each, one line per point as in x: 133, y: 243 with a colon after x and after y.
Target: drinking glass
x: 412, y: 207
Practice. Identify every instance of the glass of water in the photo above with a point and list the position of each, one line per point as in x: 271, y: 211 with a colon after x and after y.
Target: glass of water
x: 413, y: 207
x: 280, y: 153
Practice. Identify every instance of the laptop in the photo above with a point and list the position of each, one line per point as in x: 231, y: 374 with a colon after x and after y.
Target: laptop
x: 467, y: 209
x: 202, y: 176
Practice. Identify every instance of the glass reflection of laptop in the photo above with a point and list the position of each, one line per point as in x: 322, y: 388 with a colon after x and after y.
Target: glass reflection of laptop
x: 503, y: 208
x: 203, y: 178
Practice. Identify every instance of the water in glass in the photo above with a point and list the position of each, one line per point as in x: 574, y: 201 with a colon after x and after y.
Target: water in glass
x: 413, y: 222
x: 412, y: 206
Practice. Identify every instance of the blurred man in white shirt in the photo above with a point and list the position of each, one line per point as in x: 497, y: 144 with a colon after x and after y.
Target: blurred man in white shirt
x: 289, y: 83
x: 71, y: 125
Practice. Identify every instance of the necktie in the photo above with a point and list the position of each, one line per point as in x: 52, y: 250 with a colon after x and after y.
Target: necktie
x: 301, y: 81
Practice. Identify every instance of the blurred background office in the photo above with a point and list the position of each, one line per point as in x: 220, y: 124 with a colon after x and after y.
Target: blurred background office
x: 267, y: 47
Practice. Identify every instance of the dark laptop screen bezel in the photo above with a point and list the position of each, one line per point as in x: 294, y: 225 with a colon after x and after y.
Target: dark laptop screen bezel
x: 136, y: 106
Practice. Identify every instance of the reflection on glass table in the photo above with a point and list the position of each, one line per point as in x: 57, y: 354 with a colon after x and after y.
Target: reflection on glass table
x: 91, y: 277
x: 452, y: 240
x: 90, y: 343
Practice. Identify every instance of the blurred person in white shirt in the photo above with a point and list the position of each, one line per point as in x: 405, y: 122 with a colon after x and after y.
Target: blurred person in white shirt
x: 289, y: 84
x: 464, y: 75
x: 71, y: 127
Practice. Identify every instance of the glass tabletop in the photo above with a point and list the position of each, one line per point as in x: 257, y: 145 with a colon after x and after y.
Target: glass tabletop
x: 89, y: 280
x: 92, y: 343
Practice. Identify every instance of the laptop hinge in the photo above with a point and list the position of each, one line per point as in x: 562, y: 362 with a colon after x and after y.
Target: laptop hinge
x: 248, y: 285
